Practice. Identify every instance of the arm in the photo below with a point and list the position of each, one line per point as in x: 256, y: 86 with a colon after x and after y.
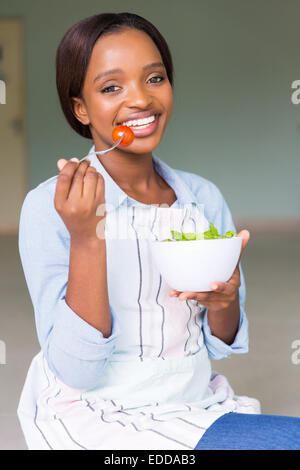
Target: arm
x: 219, y: 349
x: 224, y: 307
x: 87, y: 293
x: 77, y: 203
x: 224, y: 338
x: 74, y: 345
x: 224, y: 325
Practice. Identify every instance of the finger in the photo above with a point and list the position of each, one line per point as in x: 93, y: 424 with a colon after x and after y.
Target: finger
x: 77, y: 182
x: 225, y: 288
x: 62, y: 162
x: 172, y: 292
x: 203, y: 300
x: 186, y: 295
x: 90, y: 183
x: 218, y: 287
x: 64, y: 181
x: 175, y: 293
x: 100, y: 190
x: 196, y: 296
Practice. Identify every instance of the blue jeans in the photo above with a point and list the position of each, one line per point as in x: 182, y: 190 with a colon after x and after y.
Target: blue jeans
x: 237, y: 431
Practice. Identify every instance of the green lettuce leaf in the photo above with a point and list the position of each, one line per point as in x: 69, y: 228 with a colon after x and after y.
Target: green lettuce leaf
x: 211, y: 233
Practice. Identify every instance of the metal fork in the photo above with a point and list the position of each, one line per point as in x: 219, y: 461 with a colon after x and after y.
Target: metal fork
x: 102, y: 152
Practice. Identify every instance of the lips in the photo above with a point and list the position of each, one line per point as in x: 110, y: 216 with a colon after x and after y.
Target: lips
x: 146, y: 131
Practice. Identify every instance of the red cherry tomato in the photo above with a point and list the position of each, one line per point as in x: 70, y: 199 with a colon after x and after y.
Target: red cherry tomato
x: 128, y: 136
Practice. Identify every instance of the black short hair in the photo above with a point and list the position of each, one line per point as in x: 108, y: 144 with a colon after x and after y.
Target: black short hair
x: 75, y: 49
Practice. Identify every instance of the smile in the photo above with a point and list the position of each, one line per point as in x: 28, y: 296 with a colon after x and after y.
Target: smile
x: 144, y: 129
x: 139, y: 122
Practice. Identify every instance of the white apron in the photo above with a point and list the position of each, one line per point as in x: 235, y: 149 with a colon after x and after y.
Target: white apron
x: 157, y: 391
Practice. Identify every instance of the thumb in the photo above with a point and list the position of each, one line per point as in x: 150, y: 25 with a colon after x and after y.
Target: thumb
x: 245, y: 236
x: 61, y: 163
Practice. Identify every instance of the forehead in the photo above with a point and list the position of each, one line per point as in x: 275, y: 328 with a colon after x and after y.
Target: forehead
x: 128, y: 48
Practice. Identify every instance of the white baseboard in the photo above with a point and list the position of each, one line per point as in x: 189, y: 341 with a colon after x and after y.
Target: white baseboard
x: 9, y: 230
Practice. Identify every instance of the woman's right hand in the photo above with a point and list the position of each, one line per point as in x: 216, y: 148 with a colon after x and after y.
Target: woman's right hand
x: 77, y: 201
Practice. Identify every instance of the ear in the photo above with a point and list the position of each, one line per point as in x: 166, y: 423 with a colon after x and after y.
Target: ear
x: 79, y: 110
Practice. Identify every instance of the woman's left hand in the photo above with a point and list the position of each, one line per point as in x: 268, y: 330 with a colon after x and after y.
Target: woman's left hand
x: 223, y: 294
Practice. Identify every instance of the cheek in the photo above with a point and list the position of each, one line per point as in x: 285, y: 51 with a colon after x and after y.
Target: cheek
x: 102, y: 110
x: 169, y: 96
x: 101, y: 103
x: 169, y: 102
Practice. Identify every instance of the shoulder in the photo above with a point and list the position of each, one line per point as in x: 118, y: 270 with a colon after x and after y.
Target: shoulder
x: 203, y: 189
x: 39, y: 198
x: 207, y: 193
x: 38, y: 207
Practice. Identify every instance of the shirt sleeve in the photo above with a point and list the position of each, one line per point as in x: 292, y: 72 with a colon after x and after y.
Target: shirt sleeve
x: 218, y: 349
x: 76, y: 352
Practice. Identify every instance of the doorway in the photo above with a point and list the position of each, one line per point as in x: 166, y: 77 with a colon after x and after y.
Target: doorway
x: 13, y: 184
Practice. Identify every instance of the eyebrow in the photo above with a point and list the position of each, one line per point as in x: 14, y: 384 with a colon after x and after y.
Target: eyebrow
x: 146, y: 67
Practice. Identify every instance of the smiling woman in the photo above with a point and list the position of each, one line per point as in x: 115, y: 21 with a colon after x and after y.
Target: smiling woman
x: 122, y: 72
x: 72, y: 69
x: 123, y: 365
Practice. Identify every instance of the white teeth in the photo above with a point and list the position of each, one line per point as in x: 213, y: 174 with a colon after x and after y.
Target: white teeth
x: 139, y: 122
x: 141, y: 127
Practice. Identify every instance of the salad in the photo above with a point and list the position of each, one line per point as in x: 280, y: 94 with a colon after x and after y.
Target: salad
x: 210, y: 234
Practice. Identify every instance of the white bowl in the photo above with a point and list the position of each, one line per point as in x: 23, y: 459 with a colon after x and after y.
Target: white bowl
x: 193, y: 265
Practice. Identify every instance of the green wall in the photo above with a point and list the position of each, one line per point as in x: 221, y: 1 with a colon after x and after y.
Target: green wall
x: 233, y: 120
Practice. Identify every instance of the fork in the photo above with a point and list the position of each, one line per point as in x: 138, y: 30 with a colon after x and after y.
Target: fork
x: 102, y: 152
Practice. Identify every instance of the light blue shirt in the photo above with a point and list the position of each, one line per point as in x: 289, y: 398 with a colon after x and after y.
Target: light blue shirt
x: 77, y: 353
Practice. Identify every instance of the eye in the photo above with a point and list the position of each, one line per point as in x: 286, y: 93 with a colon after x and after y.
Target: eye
x: 107, y: 88
x: 114, y: 86
x: 158, y: 76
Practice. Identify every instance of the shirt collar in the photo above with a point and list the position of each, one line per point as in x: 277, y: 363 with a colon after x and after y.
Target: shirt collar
x: 115, y: 196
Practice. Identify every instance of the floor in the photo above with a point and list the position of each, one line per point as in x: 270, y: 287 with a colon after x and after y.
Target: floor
x: 271, y: 264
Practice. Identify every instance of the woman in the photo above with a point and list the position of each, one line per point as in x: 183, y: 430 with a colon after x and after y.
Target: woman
x: 124, y: 364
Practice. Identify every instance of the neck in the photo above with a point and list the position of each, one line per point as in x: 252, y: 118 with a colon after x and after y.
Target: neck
x: 131, y: 172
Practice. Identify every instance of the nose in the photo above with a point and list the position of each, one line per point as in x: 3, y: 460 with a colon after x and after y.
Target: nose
x: 138, y: 96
